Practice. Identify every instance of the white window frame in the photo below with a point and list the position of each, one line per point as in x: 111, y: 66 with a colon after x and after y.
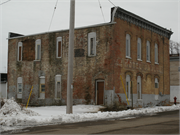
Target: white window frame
x: 128, y: 46
x: 139, y: 81
x: 59, y: 39
x: 156, y: 53
x: 19, y: 81
x: 38, y: 43
x: 139, y: 49
x: 19, y: 45
x: 57, y: 79
x: 91, y: 35
x: 156, y: 81
x: 128, y: 80
x: 148, y: 52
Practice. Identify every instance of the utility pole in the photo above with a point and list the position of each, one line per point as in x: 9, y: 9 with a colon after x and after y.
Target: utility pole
x: 70, y: 59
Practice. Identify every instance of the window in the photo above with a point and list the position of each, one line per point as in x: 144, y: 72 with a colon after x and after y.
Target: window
x: 59, y: 47
x: 128, y: 88
x: 38, y: 49
x: 19, y: 51
x: 58, y: 86
x: 156, y: 83
x: 148, y: 51
x: 42, y: 88
x: 139, y: 49
x: 128, y: 46
x: 156, y: 53
x: 139, y: 87
x: 92, y: 44
x: 19, y: 85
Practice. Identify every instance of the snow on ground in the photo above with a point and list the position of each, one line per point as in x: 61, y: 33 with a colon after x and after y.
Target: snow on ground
x: 13, y: 117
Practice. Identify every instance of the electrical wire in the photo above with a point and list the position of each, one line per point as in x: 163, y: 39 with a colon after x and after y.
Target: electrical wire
x: 112, y: 3
x: 101, y: 10
x: 53, y: 15
x: 5, y: 2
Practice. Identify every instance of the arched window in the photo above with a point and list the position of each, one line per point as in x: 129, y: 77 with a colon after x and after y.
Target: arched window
x: 156, y: 83
x: 139, y: 87
x: 128, y: 88
x: 156, y: 53
x: 59, y: 47
x: 128, y: 45
x: 19, y: 58
x: 148, y: 58
x: 92, y: 44
x: 38, y: 49
x: 58, y: 86
x: 139, y: 49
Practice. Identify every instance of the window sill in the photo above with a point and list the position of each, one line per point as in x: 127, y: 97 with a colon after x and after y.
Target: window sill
x: 148, y: 61
x: 57, y: 99
x: 41, y: 98
x: 139, y: 60
x: 139, y: 99
x: 37, y: 60
x: 58, y: 57
x: 128, y: 57
x: 91, y: 55
x: 156, y: 63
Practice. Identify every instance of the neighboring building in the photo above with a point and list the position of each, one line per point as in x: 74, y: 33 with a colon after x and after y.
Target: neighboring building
x: 129, y: 46
x: 174, y: 77
x: 3, y: 85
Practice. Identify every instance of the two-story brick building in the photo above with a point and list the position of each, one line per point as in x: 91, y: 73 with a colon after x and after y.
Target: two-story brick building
x: 129, y: 46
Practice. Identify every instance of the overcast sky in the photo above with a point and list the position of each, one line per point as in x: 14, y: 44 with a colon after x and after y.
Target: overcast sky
x: 34, y: 16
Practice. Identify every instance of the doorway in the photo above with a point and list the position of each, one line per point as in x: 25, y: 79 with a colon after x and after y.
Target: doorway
x: 100, y: 92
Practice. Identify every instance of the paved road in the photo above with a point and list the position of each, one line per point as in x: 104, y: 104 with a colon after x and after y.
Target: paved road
x: 162, y: 123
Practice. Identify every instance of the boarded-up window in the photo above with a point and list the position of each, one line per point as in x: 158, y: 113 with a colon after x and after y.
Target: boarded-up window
x: 28, y: 50
x: 20, y: 49
x: 19, y: 56
x: 59, y: 49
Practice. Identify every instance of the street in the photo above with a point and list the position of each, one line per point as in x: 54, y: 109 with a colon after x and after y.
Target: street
x: 161, y: 123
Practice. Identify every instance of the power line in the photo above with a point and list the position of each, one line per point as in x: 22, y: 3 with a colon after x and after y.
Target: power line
x: 53, y: 15
x: 5, y: 2
x: 101, y: 10
x: 112, y: 3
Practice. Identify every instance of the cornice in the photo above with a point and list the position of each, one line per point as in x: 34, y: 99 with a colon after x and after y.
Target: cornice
x: 141, y: 22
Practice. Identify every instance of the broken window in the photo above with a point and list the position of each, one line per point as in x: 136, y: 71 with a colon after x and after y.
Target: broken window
x: 139, y: 49
x: 128, y: 46
x: 148, y: 51
x: 139, y: 87
x: 42, y: 88
x: 92, y: 44
x: 38, y: 49
x: 59, y: 47
x: 19, y: 51
x: 156, y: 83
x: 58, y: 86
x: 128, y: 88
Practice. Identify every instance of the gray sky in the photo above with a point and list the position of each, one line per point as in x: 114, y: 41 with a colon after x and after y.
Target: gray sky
x: 34, y: 16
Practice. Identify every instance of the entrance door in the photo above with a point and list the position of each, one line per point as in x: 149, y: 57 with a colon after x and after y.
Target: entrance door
x: 100, y: 92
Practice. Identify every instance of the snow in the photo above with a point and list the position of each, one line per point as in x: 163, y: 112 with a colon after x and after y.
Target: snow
x: 12, y: 116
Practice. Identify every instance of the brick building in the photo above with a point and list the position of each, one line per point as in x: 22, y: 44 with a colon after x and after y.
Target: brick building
x: 129, y: 46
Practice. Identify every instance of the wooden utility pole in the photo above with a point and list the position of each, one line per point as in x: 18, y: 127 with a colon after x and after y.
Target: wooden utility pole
x: 70, y: 59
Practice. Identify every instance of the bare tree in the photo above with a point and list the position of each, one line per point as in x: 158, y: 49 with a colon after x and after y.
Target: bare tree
x: 174, y: 47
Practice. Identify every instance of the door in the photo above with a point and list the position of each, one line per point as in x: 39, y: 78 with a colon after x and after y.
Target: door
x: 100, y: 92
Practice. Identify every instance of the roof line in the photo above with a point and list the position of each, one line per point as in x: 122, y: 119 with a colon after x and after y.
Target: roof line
x: 96, y: 25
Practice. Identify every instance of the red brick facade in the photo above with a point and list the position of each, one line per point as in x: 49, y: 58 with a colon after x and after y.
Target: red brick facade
x: 109, y: 63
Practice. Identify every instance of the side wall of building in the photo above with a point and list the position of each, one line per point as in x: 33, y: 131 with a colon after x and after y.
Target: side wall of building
x: 134, y: 68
